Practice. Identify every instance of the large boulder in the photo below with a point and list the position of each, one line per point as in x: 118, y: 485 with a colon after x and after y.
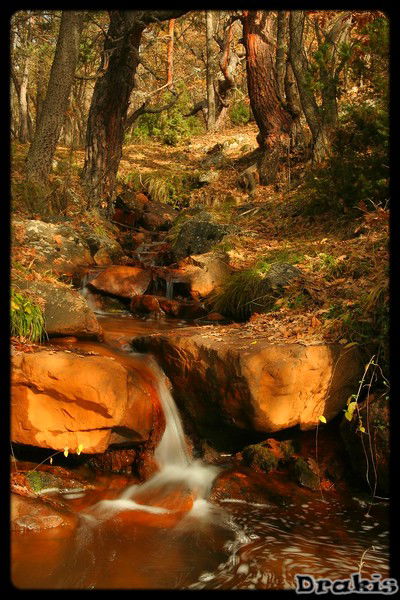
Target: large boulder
x: 65, y: 311
x: 205, y: 273
x: 102, y: 245
x: 55, y: 247
x: 197, y: 236
x: 122, y: 281
x: 223, y: 378
x: 64, y: 399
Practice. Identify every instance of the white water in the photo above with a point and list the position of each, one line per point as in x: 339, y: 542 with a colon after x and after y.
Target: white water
x: 177, y: 469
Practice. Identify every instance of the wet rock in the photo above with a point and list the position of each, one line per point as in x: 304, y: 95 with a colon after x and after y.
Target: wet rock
x: 63, y: 399
x: 221, y: 378
x: 114, y: 461
x: 196, y: 236
x: 246, y: 485
x: 122, y: 281
x: 375, y: 418
x: 55, y: 247
x: 32, y: 480
x: 263, y: 457
x: 306, y: 473
x: 65, y: 311
x: 145, y: 304
x: 34, y: 515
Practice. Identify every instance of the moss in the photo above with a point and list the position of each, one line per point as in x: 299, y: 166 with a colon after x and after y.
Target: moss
x: 39, y: 480
x: 260, y: 457
x: 304, y: 475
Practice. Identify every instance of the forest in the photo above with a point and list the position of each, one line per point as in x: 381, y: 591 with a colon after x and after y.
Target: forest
x: 199, y: 302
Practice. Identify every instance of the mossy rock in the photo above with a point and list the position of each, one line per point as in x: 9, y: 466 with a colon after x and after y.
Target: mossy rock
x: 305, y: 473
x: 260, y: 457
x: 197, y: 236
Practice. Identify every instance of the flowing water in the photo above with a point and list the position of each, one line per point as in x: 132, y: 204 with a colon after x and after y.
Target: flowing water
x: 167, y: 534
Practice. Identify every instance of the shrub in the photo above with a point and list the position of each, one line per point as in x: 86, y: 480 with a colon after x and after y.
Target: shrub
x: 170, y: 126
x: 164, y: 186
x: 27, y: 320
x: 239, y: 113
x: 357, y: 171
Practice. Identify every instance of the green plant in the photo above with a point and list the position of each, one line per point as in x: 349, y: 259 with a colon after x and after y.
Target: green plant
x: 239, y: 113
x: 27, y: 320
x: 168, y: 187
x: 170, y: 126
x: 244, y: 293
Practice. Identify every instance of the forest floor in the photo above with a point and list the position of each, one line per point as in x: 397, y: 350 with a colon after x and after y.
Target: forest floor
x: 344, y: 259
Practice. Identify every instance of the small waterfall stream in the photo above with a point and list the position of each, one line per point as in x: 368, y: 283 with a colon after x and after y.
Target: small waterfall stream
x: 177, y: 469
x: 142, y: 540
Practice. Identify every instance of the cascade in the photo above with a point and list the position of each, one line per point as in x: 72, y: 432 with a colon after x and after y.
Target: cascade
x: 177, y: 469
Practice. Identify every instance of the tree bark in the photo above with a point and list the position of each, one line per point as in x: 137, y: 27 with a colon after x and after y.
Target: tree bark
x: 110, y: 101
x: 210, y: 71
x: 273, y: 120
x: 41, y: 152
x: 322, y: 118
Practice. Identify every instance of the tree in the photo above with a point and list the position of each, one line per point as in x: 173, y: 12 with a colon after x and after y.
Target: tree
x: 110, y: 100
x: 51, y: 118
x: 273, y: 119
x: 319, y: 102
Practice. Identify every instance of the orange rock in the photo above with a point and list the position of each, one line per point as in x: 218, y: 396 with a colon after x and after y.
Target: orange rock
x: 145, y: 304
x: 170, y: 307
x: 141, y: 199
x: 265, y: 387
x: 122, y: 281
x: 61, y: 399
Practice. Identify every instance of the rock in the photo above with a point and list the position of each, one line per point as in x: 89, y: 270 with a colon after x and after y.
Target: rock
x: 375, y: 417
x: 205, y: 273
x: 65, y: 311
x: 103, y: 246
x: 214, y: 316
x: 197, y: 237
x: 32, y: 480
x: 266, y: 456
x: 220, y: 378
x: 63, y: 399
x: 250, y: 486
x: 306, y: 473
x: 55, y: 247
x: 208, y: 177
x: 145, y: 304
x: 114, y: 460
x: 28, y: 514
x: 173, y: 308
x: 102, y: 257
x: 157, y: 216
x: 122, y: 281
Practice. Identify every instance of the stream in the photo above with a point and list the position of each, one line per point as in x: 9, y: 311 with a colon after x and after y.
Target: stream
x: 135, y: 540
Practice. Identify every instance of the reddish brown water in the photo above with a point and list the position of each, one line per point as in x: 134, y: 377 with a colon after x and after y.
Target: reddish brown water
x: 232, y: 544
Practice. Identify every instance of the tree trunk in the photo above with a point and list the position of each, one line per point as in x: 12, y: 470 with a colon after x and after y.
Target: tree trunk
x: 320, y: 119
x: 108, y: 110
x: 110, y: 101
x: 41, y: 152
x: 210, y: 71
x: 273, y: 120
x: 23, y: 131
x: 170, y: 53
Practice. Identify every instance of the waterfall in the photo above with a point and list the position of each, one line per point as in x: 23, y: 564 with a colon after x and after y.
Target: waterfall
x: 169, y: 293
x: 177, y: 469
